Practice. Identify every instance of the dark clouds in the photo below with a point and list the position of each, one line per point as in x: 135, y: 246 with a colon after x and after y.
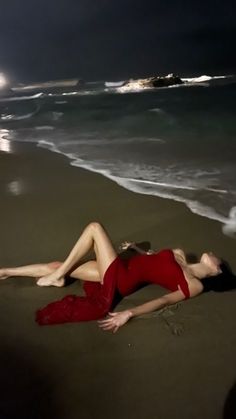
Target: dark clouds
x: 107, y: 39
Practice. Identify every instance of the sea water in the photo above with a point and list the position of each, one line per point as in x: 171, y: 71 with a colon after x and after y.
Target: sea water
x: 178, y: 143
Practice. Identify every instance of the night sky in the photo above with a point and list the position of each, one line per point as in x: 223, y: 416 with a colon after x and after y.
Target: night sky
x: 112, y: 40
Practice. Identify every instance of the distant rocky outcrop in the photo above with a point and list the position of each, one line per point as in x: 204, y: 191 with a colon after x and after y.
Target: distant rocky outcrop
x: 169, y: 80
x: 155, y: 81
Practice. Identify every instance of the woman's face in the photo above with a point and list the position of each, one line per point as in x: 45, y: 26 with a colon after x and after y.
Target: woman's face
x: 212, y: 261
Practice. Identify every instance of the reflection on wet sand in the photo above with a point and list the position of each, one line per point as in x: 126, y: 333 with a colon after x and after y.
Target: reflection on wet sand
x: 5, y: 143
x: 17, y: 186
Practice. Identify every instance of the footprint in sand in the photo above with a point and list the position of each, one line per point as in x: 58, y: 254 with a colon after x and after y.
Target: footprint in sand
x: 176, y: 329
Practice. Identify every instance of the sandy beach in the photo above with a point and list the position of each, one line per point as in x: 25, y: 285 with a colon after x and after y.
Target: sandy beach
x: 179, y: 362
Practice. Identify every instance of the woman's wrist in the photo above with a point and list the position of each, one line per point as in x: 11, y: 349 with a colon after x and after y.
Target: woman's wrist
x: 129, y: 314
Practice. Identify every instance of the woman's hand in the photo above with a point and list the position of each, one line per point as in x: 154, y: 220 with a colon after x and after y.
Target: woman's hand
x: 126, y: 245
x: 150, y: 252
x: 115, y: 321
x: 132, y: 245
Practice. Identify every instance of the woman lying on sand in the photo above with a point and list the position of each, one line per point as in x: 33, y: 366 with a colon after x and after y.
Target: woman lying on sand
x: 109, y: 276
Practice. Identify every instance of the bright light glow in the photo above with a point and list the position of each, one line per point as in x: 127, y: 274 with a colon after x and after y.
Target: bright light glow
x: 3, y: 80
x: 5, y: 143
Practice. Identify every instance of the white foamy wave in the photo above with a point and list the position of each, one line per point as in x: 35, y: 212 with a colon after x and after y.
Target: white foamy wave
x: 12, y: 117
x: 177, y: 186
x: 202, y: 78
x: 134, y: 185
x: 136, y: 88
x: 108, y: 141
x: 167, y: 118
x: 21, y: 98
x: 45, y: 143
x: 229, y: 227
x: 57, y: 115
x: 133, y: 87
x: 69, y: 93
x: 44, y: 128
x: 163, y: 184
x: 84, y: 93
x: 221, y: 191
x: 60, y: 102
x: 49, y: 145
x: 229, y: 224
x: 76, y: 93
x: 151, y: 188
x: 114, y: 83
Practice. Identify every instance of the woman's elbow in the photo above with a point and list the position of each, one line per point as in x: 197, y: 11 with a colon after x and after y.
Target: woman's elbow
x: 173, y: 298
x: 164, y: 301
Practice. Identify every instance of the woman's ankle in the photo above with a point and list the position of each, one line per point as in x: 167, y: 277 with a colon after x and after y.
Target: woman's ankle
x: 4, y: 273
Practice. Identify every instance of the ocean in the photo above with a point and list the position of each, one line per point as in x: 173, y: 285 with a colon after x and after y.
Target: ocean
x: 178, y: 142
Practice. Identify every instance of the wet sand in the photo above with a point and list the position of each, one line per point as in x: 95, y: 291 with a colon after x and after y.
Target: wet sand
x: 179, y: 362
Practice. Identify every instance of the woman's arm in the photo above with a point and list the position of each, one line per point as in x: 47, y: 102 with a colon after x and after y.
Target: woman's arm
x: 158, y: 303
x: 132, y: 245
x: 116, y: 320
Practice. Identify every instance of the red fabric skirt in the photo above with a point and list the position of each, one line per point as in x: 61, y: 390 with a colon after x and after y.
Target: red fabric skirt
x: 94, y: 305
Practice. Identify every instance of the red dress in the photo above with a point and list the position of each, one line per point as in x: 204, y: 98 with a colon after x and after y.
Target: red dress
x: 121, y: 278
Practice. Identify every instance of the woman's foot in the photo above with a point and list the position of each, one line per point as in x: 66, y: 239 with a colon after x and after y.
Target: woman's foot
x: 3, y: 274
x: 51, y: 281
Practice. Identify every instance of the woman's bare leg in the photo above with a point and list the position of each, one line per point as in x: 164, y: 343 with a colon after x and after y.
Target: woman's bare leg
x: 35, y: 270
x: 93, y: 237
x: 86, y: 272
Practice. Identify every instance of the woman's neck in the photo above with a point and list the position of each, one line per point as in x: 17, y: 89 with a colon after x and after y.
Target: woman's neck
x: 200, y: 270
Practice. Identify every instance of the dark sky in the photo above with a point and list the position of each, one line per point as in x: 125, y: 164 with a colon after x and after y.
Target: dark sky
x: 116, y: 39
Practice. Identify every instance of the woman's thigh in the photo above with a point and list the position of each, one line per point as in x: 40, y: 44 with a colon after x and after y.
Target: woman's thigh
x: 105, y: 255
x: 104, y: 250
x: 88, y: 271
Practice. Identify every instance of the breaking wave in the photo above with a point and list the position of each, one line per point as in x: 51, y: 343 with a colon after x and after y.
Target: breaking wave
x: 9, y: 117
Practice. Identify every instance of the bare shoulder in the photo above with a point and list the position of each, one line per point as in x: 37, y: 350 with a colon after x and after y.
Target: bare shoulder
x: 195, y: 287
x: 178, y: 296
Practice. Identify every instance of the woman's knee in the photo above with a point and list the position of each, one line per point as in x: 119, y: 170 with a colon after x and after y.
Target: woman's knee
x: 96, y: 226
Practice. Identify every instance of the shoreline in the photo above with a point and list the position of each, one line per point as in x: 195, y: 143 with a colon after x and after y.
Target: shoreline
x: 133, y: 185
x: 171, y: 211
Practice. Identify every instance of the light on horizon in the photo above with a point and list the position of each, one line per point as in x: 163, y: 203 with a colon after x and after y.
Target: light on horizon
x: 3, y: 80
